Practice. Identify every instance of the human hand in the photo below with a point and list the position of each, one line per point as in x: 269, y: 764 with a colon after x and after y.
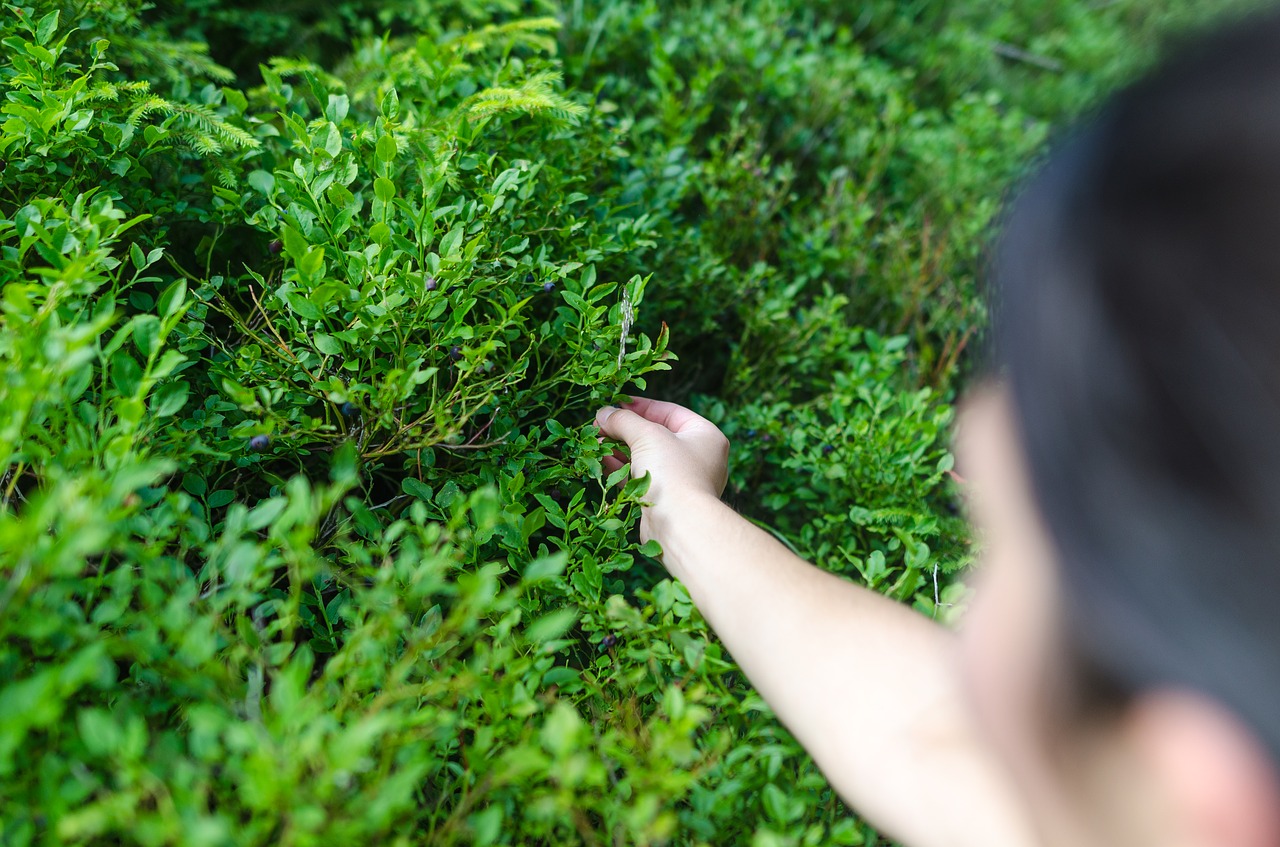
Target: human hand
x: 686, y: 455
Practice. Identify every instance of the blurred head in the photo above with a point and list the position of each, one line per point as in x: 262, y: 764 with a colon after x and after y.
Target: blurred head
x: 1125, y: 652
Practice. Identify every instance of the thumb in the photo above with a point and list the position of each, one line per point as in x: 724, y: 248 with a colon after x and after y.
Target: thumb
x: 624, y: 425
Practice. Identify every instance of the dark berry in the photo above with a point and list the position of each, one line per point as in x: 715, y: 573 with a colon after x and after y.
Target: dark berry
x: 528, y: 277
x: 455, y: 352
x: 751, y: 433
x: 827, y: 449
x: 431, y: 284
x: 274, y: 247
x: 548, y: 286
x: 260, y: 442
x: 767, y: 437
x: 608, y: 642
x: 794, y: 32
x: 348, y: 408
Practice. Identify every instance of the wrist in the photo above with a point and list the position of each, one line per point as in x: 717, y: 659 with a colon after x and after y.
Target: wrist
x: 674, y: 511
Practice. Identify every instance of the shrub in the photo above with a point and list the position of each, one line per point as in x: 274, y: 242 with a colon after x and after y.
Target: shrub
x: 304, y: 536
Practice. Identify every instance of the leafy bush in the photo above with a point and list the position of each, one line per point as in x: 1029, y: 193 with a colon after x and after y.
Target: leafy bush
x: 304, y: 536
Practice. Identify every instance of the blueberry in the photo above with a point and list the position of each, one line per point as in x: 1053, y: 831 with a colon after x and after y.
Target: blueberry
x: 827, y: 449
x: 260, y: 442
x: 348, y: 408
x: 795, y: 32
x: 274, y: 247
x: 608, y: 642
x: 431, y: 284
x: 548, y: 286
x: 751, y: 433
x: 528, y: 277
x: 455, y: 352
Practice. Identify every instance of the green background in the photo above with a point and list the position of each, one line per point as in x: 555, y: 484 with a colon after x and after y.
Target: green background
x: 306, y: 311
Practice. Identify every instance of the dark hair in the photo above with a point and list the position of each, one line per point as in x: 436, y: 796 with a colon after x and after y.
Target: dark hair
x: 1137, y: 321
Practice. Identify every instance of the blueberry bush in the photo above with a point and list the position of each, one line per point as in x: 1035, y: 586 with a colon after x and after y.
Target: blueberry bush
x: 307, y: 308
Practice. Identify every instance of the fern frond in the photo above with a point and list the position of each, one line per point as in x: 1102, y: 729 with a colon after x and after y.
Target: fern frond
x: 290, y: 68
x: 173, y: 60
x: 531, y: 33
x: 147, y: 106
x: 534, y: 96
x: 225, y: 176
x: 218, y: 133
x: 884, y: 518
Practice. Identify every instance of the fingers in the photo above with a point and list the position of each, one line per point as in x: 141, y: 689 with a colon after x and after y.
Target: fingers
x: 671, y: 415
x: 624, y: 425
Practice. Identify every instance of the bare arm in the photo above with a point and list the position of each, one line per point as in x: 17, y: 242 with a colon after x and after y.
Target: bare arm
x: 868, y: 686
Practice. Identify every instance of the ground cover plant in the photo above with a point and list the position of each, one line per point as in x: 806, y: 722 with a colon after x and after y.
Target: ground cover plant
x: 304, y: 537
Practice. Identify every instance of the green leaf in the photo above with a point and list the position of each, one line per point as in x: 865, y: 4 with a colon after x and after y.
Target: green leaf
x: 44, y: 56
x: 651, y: 548
x: 486, y: 826
x: 169, y: 399
x: 450, y: 244
x: 47, y: 27
x: 101, y: 734
x: 386, y: 149
x: 172, y: 299
x: 126, y: 374
x: 326, y: 344
x: 265, y: 512
x: 546, y: 567
x: 336, y: 111
x: 220, y: 498
x: 416, y: 488
x: 263, y: 182
x: 551, y: 625
x: 312, y: 262
x: 561, y: 729
x: 235, y: 99
x: 146, y: 334
x: 294, y: 244
x: 194, y: 485
x: 390, y: 106
x: 331, y: 140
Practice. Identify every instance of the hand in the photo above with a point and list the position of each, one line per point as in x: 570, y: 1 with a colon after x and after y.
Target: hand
x: 686, y: 454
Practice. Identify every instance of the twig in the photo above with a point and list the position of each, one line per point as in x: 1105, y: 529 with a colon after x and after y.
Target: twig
x: 1009, y: 51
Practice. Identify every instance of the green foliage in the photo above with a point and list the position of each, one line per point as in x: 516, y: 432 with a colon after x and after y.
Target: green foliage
x: 304, y: 537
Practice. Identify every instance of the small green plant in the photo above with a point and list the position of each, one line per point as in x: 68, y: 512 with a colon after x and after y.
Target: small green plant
x: 304, y: 534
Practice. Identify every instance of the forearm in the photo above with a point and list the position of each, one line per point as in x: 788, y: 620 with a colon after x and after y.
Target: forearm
x: 867, y: 685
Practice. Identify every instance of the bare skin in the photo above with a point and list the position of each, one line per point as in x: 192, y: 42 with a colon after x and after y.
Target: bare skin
x: 809, y: 640
x: 939, y: 739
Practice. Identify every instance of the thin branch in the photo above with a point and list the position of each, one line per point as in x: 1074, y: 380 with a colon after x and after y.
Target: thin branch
x: 1009, y: 51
